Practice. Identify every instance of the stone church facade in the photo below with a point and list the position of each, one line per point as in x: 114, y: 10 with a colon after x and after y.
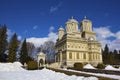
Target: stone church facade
x: 74, y: 45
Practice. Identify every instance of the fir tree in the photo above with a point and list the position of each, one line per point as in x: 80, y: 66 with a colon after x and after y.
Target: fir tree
x: 119, y: 57
x: 24, y: 53
x: 106, y: 55
x: 3, y: 42
x: 111, y: 58
x: 102, y: 55
x: 13, y: 47
x: 116, y: 56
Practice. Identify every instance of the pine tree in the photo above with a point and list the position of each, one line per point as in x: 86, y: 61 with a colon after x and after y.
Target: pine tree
x: 116, y: 56
x: 119, y: 57
x: 24, y: 53
x: 106, y: 55
x: 13, y: 47
x: 111, y: 58
x: 102, y: 55
x: 3, y: 42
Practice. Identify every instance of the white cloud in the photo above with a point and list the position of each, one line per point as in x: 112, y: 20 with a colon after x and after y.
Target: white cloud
x: 103, y: 33
x: 55, y: 8
x: 52, y: 36
x: 118, y: 35
x: 19, y: 37
x: 35, y: 27
x: 51, y: 29
x: 10, y: 34
x: 115, y: 44
x: 37, y: 41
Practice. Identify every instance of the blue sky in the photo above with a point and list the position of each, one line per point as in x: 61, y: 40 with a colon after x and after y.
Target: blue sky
x: 42, y: 18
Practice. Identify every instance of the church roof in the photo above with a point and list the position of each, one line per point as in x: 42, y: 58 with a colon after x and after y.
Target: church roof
x: 41, y: 53
x: 72, y: 20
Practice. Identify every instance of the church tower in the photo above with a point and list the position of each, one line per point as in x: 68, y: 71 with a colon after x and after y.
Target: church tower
x: 86, y: 25
x: 71, y: 26
x: 86, y: 29
x: 60, y: 33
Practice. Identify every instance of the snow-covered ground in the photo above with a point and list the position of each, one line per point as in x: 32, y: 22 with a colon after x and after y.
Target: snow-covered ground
x: 16, y: 66
x: 13, y: 71
x: 108, y: 67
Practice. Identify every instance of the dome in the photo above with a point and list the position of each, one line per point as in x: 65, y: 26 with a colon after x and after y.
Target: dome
x: 40, y: 53
x: 91, y: 39
x: 86, y: 20
x: 61, y: 28
x: 72, y: 20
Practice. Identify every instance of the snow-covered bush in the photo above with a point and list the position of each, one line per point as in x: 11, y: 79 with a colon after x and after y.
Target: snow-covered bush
x: 78, y: 65
x: 32, y: 65
x: 88, y: 66
x: 16, y: 66
x: 109, y: 67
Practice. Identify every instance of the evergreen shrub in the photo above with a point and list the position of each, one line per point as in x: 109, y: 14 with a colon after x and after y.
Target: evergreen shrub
x: 32, y: 65
x: 78, y: 65
x: 100, y: 66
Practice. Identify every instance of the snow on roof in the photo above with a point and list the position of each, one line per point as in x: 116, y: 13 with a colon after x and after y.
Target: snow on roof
x: 16, y: 66
x: 88, y: 66
x: 109, y: 67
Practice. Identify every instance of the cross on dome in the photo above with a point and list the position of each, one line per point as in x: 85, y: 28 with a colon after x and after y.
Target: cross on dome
x: 72, y: 20
x: 85, y: 17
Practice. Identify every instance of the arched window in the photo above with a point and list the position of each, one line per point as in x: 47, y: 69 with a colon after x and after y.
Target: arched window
x: 84, y: 56
x: 90, y: 57
x: 77, y: 56
x: 70, y: 55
